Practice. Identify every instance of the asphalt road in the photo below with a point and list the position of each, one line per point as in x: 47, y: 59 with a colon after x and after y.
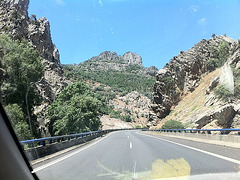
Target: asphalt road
x: 134, y: 155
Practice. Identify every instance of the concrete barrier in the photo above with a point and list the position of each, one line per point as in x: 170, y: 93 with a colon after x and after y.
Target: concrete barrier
x: 225, y: 140
x: 41, y: 151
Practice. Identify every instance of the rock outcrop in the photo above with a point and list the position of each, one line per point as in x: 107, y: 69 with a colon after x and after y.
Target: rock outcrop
x: 107, y: 60
x: 14, y: 20
x: 184, y: 88
x: 182, y: 75
x: 132, y: 58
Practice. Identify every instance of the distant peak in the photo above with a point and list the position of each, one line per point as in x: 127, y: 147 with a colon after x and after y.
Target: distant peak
x: 132, y: 58
x: 108, y: 55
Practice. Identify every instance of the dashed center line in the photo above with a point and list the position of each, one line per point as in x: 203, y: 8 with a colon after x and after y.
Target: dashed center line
x: 130, y: 145
x: 128, y: 137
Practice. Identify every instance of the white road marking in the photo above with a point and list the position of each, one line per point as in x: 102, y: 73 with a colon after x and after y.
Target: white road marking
x: 69, y: 155
x: 199, y: 150
x: 128, y: 137
x: 134, y: 170
x: 130, y: 145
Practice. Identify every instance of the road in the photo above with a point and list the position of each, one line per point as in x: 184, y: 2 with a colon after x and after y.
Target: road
x: 136, y: 155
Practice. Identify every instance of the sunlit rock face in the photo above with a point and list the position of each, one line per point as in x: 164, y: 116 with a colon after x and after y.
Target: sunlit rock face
x: 182, y: 75
x: 132, y: 58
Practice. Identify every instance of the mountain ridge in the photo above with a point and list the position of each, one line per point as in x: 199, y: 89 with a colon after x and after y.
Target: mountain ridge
x: 109, y: 60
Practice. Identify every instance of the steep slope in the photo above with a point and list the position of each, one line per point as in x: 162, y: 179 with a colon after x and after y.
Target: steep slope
x: 194, y: 97
x: 14, y: 20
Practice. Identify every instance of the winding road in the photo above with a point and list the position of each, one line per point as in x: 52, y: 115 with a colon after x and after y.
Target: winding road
x: 134, y: 154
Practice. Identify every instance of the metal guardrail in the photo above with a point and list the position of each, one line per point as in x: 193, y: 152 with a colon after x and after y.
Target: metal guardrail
x: 209, y: 131
x: 58, y: 139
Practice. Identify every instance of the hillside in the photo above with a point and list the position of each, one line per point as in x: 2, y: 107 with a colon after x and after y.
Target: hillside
x: 200, y: 92
x: 16, y: 23
x: 124, y: 73
x: 117, y: 78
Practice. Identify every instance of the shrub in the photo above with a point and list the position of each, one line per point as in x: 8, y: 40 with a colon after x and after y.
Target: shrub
x: 115, y: 114
x: 222, y: 93
x: 172, y: 124
x: 219, y: 56
x: 126, y: 118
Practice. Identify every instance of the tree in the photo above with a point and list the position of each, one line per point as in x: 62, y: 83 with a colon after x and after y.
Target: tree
x: 22, y: 68
x: 172, y: 124
x: 17, y: 118
x: 219, y: 56
x: 75, y: 110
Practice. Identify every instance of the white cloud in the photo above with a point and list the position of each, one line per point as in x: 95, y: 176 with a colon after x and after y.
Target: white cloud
x: 60, y: 2
x: 100, y: 3
x: 111, y: 29
x: 193, y: 9
x: 202, y: 21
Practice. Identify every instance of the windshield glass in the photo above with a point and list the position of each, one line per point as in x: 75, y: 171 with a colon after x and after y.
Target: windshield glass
x: 123, y: 89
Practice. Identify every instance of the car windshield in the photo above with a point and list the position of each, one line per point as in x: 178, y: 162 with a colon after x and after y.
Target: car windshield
x: 123, y: 89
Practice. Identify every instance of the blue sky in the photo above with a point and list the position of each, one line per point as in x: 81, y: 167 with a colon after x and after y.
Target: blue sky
x: 155, y: 29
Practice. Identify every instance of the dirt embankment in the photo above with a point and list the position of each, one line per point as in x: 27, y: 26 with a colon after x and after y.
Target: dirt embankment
x: 112, y: 123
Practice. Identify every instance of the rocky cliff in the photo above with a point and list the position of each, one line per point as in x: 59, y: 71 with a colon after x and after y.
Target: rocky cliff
x: 185, y: 88
x: 131, y: 62
x: 14, y: 20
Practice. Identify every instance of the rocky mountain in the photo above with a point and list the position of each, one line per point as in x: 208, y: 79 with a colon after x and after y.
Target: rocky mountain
x: 190, y: 90
x: 131, y: 62
x: 123, y: 73
x: 122, y: 81
x: 15, y: 21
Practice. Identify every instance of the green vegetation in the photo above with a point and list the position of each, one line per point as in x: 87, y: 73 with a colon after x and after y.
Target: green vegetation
x: 124, y: 82
x: 18, y: 122
x: 168, y: 81
x: 219, y: 56
x: 222, y: 93
x: 75, y: 110
x: 20, y: 69
x: 115, y: 114
x: 138, y: 127
x: 118, y: 115
x: 172, y: 124
x: 133, y: 68
x: 126, y: 118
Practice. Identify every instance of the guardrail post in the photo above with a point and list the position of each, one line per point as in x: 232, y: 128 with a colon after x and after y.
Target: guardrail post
x: 42, y: 143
